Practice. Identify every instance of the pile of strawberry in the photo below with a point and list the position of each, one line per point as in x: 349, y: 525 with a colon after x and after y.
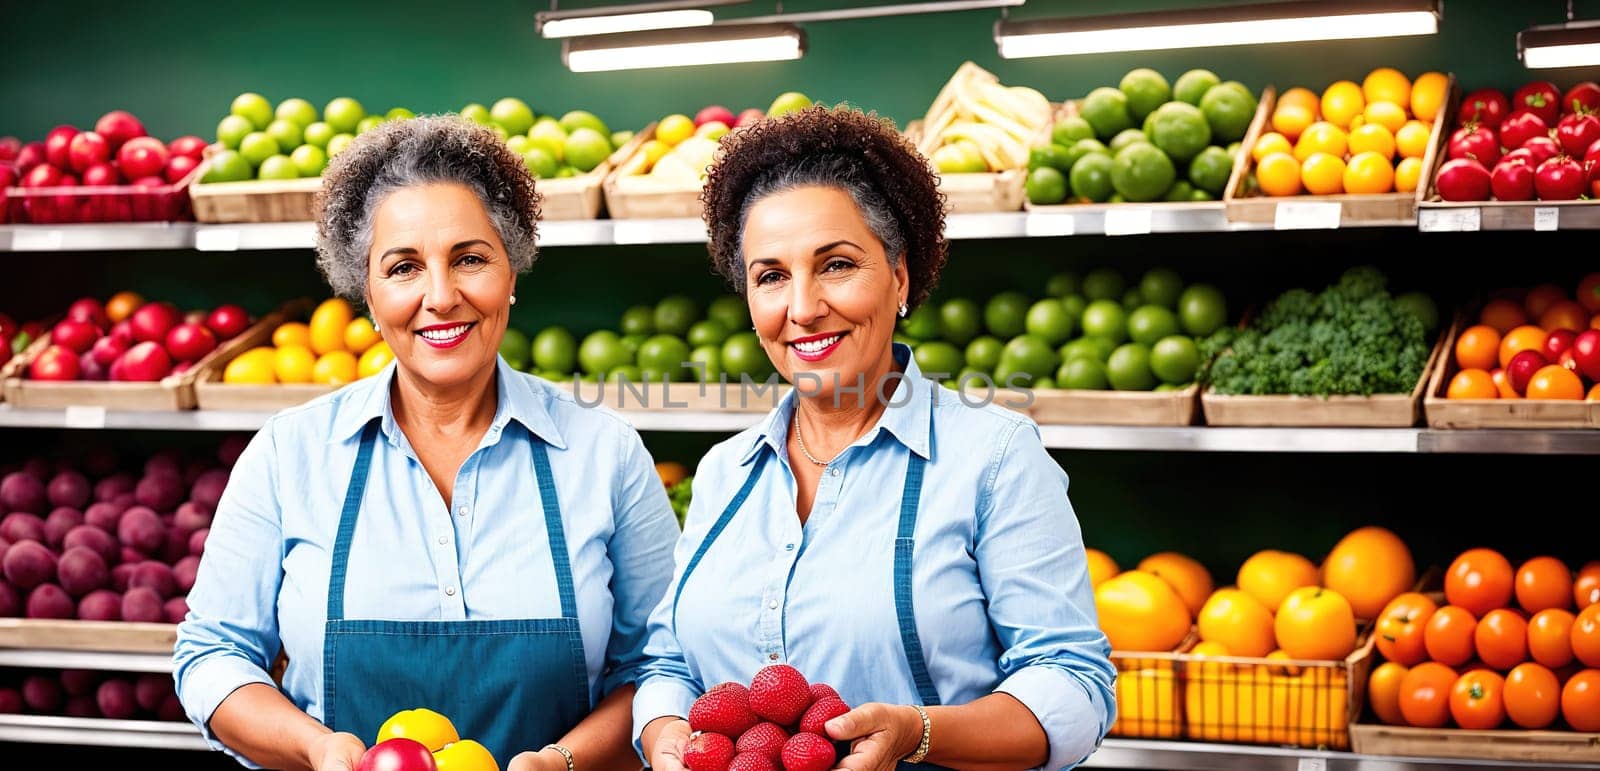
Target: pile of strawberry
x: 776, y: 723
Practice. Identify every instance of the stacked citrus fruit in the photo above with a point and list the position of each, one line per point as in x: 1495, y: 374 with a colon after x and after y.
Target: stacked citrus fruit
x: 1539, y: 344
x: 1506, y: 645
x: 1354, y: 138
x: 335, y: 347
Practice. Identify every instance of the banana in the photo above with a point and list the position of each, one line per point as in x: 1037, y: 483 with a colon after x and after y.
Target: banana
x: 975, y: 107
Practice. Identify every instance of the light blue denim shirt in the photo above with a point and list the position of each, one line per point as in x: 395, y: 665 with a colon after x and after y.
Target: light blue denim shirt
x: 1001, y: 584
x: 264, y: 577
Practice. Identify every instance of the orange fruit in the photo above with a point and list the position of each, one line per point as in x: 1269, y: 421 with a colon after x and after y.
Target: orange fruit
x: 1278, y: 174
x: 1387, y: 84
x: 122, y: 305
x: 1586, y: 636
x: 672, y: 472
x: 1238, y: 621
x: 1301, y: 96
x: 1101, y: 566
x: 1533, y: 696
x: 1322, y: 174
x: 1369, y: 172
x: 1555, y: 382
x: 1504, y: 315
x: 1477, y: 700
x: 1586, y: 586
x: 1407, y: 175
x: 1369, y: 566
x: 327, y: 327
x: 335, y: 367
x: 1594, y: 393
x: 1428, y: 95
x: 430, y: 728
x: 1543, y: 582
x: 1287, y: 670
x: 1292, y: 120
x: 374, y: 360
x: 1580, y: 701
x: 1503, y: 384
x: 1550, y: 637
x: 1541, y: 297
x: 1412, y: 139
x: 1594, y: 321
x: 1476, y: 347
x: 1425, y: 695
x: 1524, y: 338
x: 1315, y: 622
x: 1588, y: 292
x: 1387, y: 114
x: 1401, y: 628
x: 1341, y: 102
x: 1140, y: 612
x: 1270, y: 142
x: 1565, y: 314
x: 1322, y: 137
x: 293, y: 364
x: 1501, y: 639
x: 1270, y: 575
x: 1188, y: 578
x: 291, y: 333
x: 1383, y: 691
x: 1449, y: 635
x: 360, y: 334
x: 465, y: 755
x: 253, y: 366
x: 1472, y: 384
x: 1373, y: 138
x: 1479, y: 580
x: 1213, y: 671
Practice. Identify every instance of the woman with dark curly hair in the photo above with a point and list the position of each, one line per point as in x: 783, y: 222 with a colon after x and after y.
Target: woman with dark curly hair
x: 876, y: 532
x: 449, y: 534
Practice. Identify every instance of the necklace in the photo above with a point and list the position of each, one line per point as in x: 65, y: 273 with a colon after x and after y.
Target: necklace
x: 802, y: 441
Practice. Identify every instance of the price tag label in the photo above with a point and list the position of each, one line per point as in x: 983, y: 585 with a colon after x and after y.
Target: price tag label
x: 1127, y: 222
x: 1465, y: 220
x: 85, y: 417
x: 665, y: 231
x: 208, y: 239
x: 1311, y: 764
x: 1546, y: 218
x: 26, y: 239
x: 1307, y: 215
x: 1049, y: 224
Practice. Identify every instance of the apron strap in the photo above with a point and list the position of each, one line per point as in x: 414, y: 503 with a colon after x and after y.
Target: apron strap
x: 716, y: 530
x: 904, y: 549
x: 347, y: 522
x: 552, y: 523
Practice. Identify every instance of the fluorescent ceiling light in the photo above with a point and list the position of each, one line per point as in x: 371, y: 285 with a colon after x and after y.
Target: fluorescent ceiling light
x: 1574, y: 44
x: 720, y: 44
x: 1287, y: 22
x: 631, y: 17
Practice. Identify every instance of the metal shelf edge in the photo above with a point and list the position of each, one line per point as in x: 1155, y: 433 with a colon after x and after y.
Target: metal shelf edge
x: 100, y: 732
x: 110, y: 661
x: 1183, y: 756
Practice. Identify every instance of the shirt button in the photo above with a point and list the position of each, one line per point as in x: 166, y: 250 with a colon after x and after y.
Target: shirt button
x: 788, y: 547
x: 834, y: 471
x: 443, y: 539
x: 772, y: 657
x: 450, y: 591
x: 461, y: 512
x: 772, y: 604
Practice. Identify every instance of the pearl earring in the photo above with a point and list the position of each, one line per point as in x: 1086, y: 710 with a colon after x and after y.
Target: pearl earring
x: 904, y: 310
x: 513, y: 299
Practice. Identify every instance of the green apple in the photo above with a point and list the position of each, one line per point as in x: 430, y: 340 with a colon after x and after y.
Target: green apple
x: 318, y: 134
x: 309, y: 160
x: 258, y: 146
x: 512, y: 114
x: 578, y: 119
x: 550, y: 138
x: 541, y: 164
x: 959, y: 158
x: 227, y: 166
x: 286, y: 133
x: 399, y: 113
x: 587, y: 148
x: 519, y: 144
x: 620, y: 138
x: 339, y: 142
x: 792, y: 101
x: 253, y: 107
x: 232, y: 130
x: 476, y: 113
x: 344, y: 114
x: 297, y: 110
x: 278, y: 167
x: 368, y: 123
x: 712, y: 130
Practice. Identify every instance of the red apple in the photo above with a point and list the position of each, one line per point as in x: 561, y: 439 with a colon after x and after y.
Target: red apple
x: 1557, y: 343
x: 1559, y: 179
x: 90, y: 310
x: 1512, y: 179
x: 8, y: 326
x: 101, y: 175
x: 227, y: 321
x: 152, y: 322
x: 1544, y: 148
x: 9, y: 148
x: 179, y: 166
x: 123, y: 332
x: 752, y: 115
x: 142, y: 157
x: 8, y: 175
x: 31, y: 155
x: 398, y: 754
x: 1476, y: 142
x: 54, y: 363
x: 43, y: 175
x: 108, y: 349
x: 1463, y: 179
x: 146, y: 363
x: 1576, y: 132
x: 74, y: 335
x: 1540, y: 97
x: 1486, y: 106
x: 189, y: 341
x: 57, y: 146
x: 88, y: 149
x: 1521, y: 368
x: 189, y: 147
x: 119, y: 126
x: 89, y: 369
x: 715, y: 112
x: 1586, y: 353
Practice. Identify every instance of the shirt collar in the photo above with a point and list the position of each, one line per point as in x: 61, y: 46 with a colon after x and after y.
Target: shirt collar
x: 907, y: 418
x: 519, y: 398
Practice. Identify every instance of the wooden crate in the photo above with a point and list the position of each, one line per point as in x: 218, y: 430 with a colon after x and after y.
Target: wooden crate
x: 1149, y: 692
x: 581, y: 197
x: 639, y: 196
x: 174, y: 392
x: 1247, y: 205
x: 1510, y: 745
x: 1496, y: 413
x: 117, y: 636
x: 1271, y: 701
x: 285, y: 200
x: 1377, y: 411
x: 212, y: 394
x: 1116, y: 408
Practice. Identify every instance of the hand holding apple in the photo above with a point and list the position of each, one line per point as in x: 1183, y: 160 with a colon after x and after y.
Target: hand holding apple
x: 336, y: 752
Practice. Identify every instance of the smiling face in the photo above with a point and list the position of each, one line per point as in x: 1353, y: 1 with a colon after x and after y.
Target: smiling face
x: 439, y: 283
x: 822, y: 292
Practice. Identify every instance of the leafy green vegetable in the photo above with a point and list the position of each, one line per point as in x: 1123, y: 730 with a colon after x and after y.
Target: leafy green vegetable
x: 679, y: 495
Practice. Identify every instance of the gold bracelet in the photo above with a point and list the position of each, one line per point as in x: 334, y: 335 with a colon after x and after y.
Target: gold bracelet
x: 565, y: 753
x: 927, y: 737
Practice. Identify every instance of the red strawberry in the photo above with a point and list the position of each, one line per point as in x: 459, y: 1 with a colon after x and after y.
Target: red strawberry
x: 807, y: 752
x: 765, y: 738
x: 708, y: 752
x: 820, y: 713
x: 724, y: 709
x: 752, y: 761
x: 820, y: 691
x: 780, y: 693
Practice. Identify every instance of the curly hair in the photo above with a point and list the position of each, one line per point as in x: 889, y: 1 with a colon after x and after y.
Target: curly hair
x: 418, y: 151
x: 859, y: 153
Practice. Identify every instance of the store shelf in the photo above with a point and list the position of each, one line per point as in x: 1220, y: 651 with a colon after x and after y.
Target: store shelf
x: 99, y: 417
x: 90, y: 238
x: 110, y: 661
x: 99, y: 732
x: 1184, y: 756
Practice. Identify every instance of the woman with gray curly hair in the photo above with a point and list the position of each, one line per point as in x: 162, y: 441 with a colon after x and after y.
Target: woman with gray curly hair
x: 449, y: 550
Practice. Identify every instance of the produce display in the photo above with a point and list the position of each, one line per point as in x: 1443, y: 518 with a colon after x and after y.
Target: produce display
x: 1092, y: 332
x: 1353, y: 338
x: 15, y: 338
x: 681, y: 147
x: 424, y: 740
x: 127, y: 339
x: 114, y: 172
x: 94, y: 540
x: 553, y: 147
x: 1355, y: 138
x: 680, y: 487
x: 775, y: 723
x: 1541, y: 144
x: 1541, y: 344
x: 90, y: 693
x: 335, y: 347
x: 1508, y: 648
x: 1144, y: 140
x: 981, y: 125
x: 257, y: 141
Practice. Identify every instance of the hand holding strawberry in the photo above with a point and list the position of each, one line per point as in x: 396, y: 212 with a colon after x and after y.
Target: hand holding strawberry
x: 880, y: 735
x: 667, y: 748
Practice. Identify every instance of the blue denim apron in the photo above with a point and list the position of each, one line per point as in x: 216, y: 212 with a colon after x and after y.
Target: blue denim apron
x: 904, y: 549
x: 510, y: 684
